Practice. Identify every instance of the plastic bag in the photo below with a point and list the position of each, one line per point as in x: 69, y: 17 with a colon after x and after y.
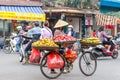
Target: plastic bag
x: 54, y: 60
x: 71, y: 55
x: 35, y: 56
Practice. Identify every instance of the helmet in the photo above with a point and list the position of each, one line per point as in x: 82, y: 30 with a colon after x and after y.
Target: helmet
x: 36, y: 24
x: 19, y: 27
x: 28, y: 27
x: 70, y: 26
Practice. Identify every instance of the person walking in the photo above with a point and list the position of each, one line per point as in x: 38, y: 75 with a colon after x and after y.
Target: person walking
x: 94, y: 33
x: 70, y: 31
x: 59, y: 27
x: 46, y: 32
x: 2, y: 42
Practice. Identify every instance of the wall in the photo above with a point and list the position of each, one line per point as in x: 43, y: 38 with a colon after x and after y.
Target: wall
x: 74, y: 22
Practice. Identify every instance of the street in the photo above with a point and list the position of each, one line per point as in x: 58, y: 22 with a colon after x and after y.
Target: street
x: 11, y: 69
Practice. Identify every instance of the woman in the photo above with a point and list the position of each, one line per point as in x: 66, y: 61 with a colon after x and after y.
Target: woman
x: 59, y: 27
x: 71, y: 32
x: 58, y: 31
x: 46, y: 32
x: 102, y: 37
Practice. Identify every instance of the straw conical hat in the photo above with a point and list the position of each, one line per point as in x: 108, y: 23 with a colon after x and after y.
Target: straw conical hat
x: 60, y: 23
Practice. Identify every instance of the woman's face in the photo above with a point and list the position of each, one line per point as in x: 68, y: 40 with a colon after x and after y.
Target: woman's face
x: 60, y: 28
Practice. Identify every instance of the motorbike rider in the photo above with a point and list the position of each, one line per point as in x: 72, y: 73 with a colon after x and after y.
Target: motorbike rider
x: 102, y: 37
x: 20, y: 39
x: 35, y: 34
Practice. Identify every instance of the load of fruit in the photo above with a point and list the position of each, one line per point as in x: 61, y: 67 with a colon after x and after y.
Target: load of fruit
x: 90, y: 41
x: 63, y: 37
x: 44, y: 43
x: 70, y: 55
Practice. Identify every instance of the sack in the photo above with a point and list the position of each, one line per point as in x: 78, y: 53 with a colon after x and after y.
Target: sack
x: 54, y: 60
x: 35, y: 56
x: 71, y: 55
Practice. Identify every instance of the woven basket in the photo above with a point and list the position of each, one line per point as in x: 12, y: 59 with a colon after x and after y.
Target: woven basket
x: 65, y: 43
x: 89, y: 44
x: 45, y: 48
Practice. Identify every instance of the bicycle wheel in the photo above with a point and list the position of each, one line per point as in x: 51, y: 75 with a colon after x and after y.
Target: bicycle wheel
x: 7, y: 49
x: 47, y: 72
x: 87, y: 63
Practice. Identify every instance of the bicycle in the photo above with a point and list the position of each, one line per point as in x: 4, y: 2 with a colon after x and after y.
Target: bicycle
x: 86, y: 59
x: 68, y: 66
x: 46, y: 71
x: 87, y: 63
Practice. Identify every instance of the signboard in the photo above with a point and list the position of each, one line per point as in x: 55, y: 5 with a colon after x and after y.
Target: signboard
x: 88, y: 19
x: 22, y: 16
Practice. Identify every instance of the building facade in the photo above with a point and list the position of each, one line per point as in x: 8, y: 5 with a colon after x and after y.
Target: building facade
x: 18, y: 12
x: 77, y: 13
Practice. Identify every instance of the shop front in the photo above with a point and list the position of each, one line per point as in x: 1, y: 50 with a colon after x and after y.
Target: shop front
x: 12, y: 16
x: 109, y: 22
x: 73, y: 16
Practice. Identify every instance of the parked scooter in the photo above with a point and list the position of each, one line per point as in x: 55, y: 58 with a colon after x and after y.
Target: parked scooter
x: 13, y: 42
x: 101, y: 50
x: 10, y: 45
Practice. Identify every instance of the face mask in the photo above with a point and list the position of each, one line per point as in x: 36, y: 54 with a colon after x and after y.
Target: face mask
x: 69, y: 29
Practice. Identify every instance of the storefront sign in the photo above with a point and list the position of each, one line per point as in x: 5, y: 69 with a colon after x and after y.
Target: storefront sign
x: 22, y: 16
x: 88, y: 19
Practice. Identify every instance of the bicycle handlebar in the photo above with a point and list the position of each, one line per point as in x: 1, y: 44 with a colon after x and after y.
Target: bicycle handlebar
x: 26, y: 37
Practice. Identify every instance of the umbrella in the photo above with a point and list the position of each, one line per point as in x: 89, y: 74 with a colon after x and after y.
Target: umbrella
x: 60, y: 23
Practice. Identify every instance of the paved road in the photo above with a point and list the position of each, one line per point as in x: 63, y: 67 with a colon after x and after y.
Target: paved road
x: 11, y: 69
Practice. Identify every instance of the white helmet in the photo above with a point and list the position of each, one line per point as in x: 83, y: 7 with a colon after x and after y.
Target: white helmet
x: 70, y: 26
x: 19, y: 27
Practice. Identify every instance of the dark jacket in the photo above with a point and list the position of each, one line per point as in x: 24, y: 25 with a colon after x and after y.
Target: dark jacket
x: 2, y: 41
x: 73, y: 33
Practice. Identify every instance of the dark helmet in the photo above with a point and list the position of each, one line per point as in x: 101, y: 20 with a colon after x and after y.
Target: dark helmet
x: 36, y: 24
x: 101, y: 29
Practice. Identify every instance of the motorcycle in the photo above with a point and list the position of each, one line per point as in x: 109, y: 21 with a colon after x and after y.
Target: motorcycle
x: 10, y: 45
x: 101, y: 50
x: 13, y: 42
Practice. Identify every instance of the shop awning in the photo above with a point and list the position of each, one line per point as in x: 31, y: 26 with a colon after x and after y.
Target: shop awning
x: 103, y: 20
x: 110, y: 3
x: 31, y: 13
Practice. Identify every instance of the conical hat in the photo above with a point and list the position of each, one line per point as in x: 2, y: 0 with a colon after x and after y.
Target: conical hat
x: 60, y: 23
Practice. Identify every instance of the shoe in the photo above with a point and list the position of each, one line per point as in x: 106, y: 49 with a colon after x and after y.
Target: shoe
x: 26, y: 57
x: 53, y: 72
x: 25, y: 62
x: 65, y: 71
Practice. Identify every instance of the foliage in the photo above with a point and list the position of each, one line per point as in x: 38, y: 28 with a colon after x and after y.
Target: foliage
x: 116, y: 14
x: 74, y: 3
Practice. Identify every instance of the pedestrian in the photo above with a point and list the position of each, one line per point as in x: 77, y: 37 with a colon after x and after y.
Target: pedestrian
x: 94, y: 33
x: 2, y: 42
x: 59, y: 27
x: 59, y: 30
x: 70, y: 31
x: 46, y: 31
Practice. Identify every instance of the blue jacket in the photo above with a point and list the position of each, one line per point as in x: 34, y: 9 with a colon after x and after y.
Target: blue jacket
x: 73, y: 34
